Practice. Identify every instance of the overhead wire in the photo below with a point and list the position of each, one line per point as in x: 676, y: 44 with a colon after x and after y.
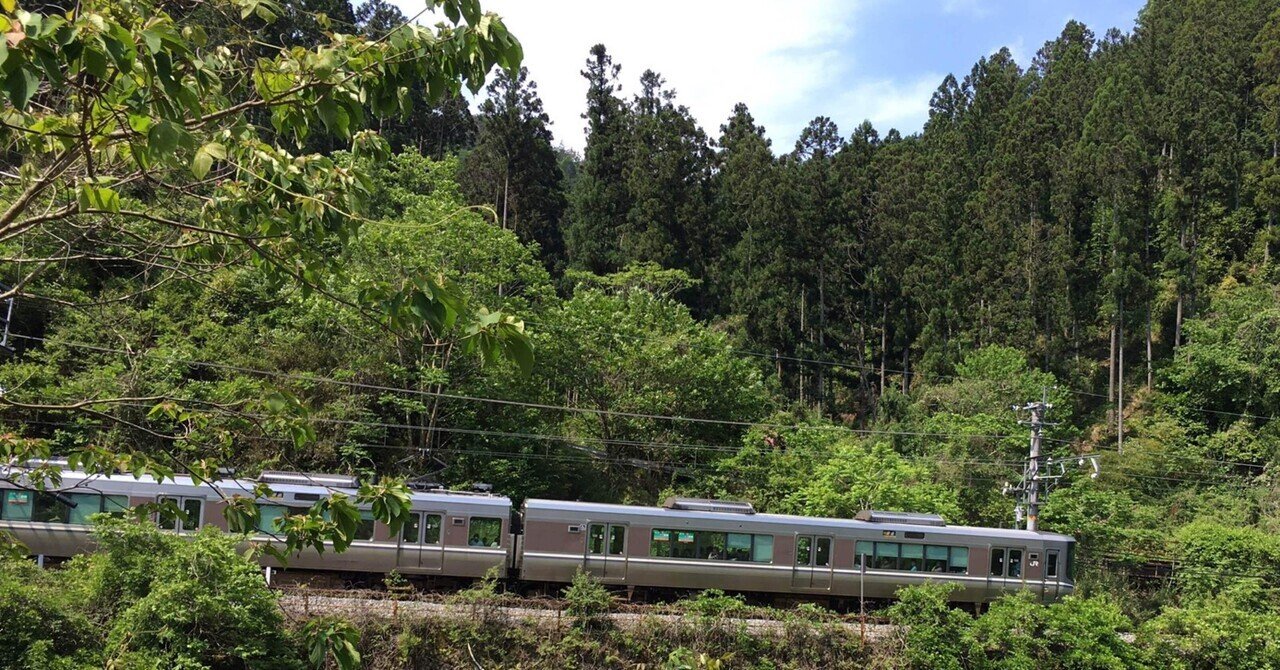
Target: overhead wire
x: 532, y: 405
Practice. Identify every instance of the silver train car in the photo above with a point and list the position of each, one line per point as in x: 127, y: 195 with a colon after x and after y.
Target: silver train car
x: 703, y: 544
x: 450, y: 534
x: 683, y: 545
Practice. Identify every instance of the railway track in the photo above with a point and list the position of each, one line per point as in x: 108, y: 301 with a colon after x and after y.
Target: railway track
x: 305, y: 603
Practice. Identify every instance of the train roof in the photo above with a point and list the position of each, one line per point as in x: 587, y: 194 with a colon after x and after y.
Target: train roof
x: 658, y: 515
x: 73, y: 480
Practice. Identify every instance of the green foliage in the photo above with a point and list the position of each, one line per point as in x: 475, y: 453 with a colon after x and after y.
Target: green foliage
x: 1214, y: 635
x: 332, y: 638
x: 936, y: 636
x: 588, y: 601
x: 714, y: 603
x: 859, y: 477
x: 1240, y: 565
x: 41, y: 625
x: 207, y: 607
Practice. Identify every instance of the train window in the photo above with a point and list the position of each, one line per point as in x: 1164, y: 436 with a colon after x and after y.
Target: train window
x: 711, y: 546
x: 485, y: 532
x: 617, y: 540
x: 50, y: 509
x: 912, y: 558
x: 17, y: 505
x: 87, y: 504
x: 194, y: 509
x: 685, y: 545
x: 167, y: 519
x: 997, y: 562
x: 364, y: 527
x: 660, y: 543
x: 1015, y: 562
x: 738, y: 547
x: 431, y: 535
x: 271, y: 517
x: 762, y: 548
x: 188, y: 516
x: 959, y: 560
x: 886, y: 556
x: 935, y: 559
x: 822, y: 552
x: 411, y: 533
x: 595, y: 539
x: 804, y: 550
x: 863, y: 552
x: 1051, y: 563
x: 115, y: 505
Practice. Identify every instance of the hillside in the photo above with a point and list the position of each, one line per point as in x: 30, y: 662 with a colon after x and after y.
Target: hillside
x: 233, y: 276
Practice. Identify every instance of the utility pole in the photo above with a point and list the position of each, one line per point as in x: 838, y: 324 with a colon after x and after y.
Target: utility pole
x: 1036, y: 480
x: 1031, y: 474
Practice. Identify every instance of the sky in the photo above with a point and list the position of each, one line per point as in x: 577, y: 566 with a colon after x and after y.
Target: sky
x: 789, y: 60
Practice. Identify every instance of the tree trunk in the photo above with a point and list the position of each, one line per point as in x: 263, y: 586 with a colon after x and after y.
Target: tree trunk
x: 1148, y: 347
x: 884, y: 344
x: 822, y: 338
x: 1120, y: 382
x: 1111, y: 367
x: 906, y: 351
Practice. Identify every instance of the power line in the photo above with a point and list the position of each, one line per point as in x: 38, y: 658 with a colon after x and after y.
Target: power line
x: 1193, y: 477
x: 531, y: 405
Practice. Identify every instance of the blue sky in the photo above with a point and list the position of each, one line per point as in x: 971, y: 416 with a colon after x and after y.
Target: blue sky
x: 789, y: 60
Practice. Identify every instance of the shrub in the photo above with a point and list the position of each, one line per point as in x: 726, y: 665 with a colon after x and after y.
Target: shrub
x: 587, y: 601
x: 936, y: 636
x: 715, y: 603
x: 1214, y: 635
x: 207, y: 607
x: 38, y: 623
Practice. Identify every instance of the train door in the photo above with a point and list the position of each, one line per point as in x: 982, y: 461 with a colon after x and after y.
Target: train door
x: 190, y: 519
x: 606, y: 551
x: 1007, y: 570
x: 431, y: 550
x: 419, y: 546
x: 1051, y: 572
x: 813, y: 565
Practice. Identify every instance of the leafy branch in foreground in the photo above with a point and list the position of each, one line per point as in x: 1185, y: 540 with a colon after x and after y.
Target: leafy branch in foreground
x: 139, y: 145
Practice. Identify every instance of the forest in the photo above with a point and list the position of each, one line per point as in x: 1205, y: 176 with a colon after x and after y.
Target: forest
x: 304, y: 247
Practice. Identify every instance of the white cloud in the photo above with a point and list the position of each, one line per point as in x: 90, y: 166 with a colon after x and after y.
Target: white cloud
x: 1018, y: 48
x: 773, y: 56
x: 887, y: 104
x: 788, y: 61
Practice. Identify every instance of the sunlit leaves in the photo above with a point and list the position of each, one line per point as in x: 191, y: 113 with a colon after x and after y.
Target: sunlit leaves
x: 497, y: 336
x: 329, y: 637
x: 93, y: 196
x: 138, y: 137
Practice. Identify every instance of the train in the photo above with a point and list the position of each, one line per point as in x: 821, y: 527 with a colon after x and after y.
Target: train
x: 681, y: 546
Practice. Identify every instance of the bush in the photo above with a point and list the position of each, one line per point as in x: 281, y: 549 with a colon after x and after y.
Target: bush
x: 38, y: 621
x: 207, y: 607
x: 936, y: 636
x: 1215, y: 635
x: 715, y: 603
x: 587, y: 601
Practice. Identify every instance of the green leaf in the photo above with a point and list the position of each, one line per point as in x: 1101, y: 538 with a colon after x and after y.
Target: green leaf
x: 95, y: 63
x: 204, y: 158
x: 92, y: 196
x: 21, y: 85
x: 164, y: 138
x: 519, y: 349
x: 9, y: 5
